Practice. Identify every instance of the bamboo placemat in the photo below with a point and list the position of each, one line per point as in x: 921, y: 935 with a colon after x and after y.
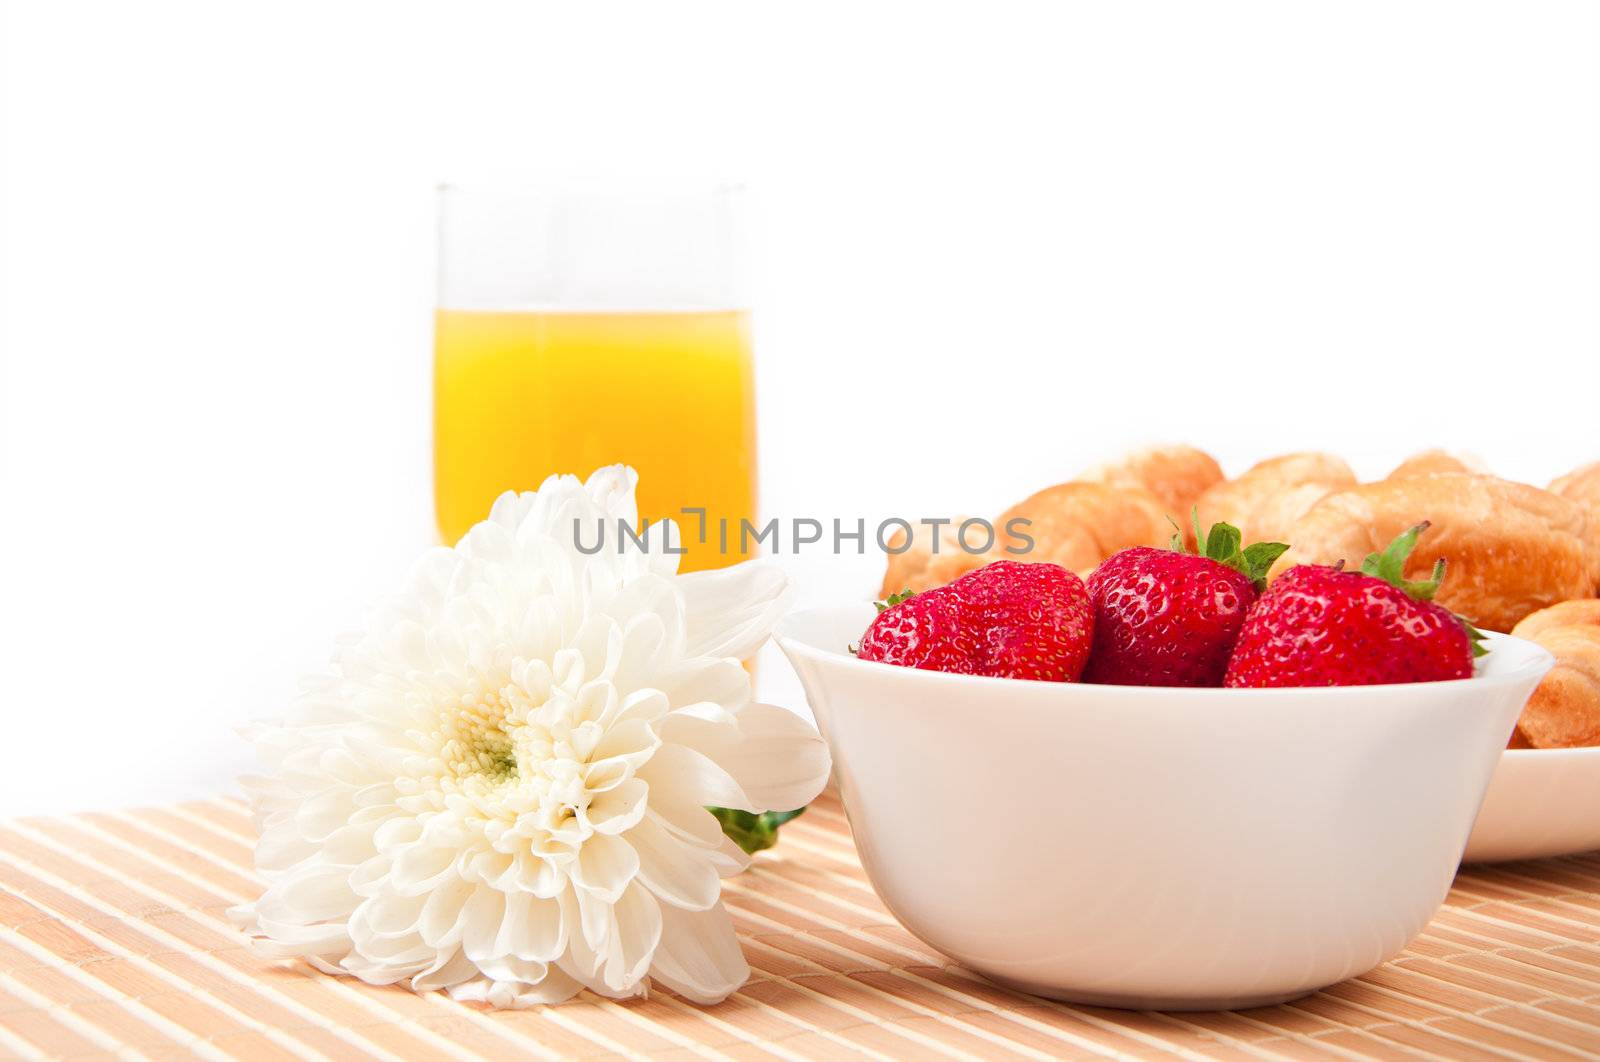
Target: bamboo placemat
x: 114, y: 942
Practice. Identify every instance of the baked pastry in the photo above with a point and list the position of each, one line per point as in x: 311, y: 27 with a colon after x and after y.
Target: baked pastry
x: 1432, y: 462
x: 919, y: 567
x: 1271, y: 495
x: 1077, y: 525
x: 1511, y: 549
x: 1176, y: 475
x: 1565, y: 710
x: 1582, y: 485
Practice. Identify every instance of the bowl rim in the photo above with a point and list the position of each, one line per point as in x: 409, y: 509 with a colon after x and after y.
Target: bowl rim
x: 1539, y: 661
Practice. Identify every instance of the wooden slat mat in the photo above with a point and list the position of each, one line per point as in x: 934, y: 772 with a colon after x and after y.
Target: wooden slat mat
x: 114, y: 942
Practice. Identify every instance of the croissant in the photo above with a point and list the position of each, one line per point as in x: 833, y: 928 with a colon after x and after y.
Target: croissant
x: 1271, y: 495
x: 918, y: 567
x: 1510, y: 549
x: 1176, y: 475
x: 1432, y: 462
x: 1565, y: 710
x: 1583, y: 486
x: 1078, y: 525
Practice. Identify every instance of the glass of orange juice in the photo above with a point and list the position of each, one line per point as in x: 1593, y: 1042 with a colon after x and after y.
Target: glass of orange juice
x: 586, y: 324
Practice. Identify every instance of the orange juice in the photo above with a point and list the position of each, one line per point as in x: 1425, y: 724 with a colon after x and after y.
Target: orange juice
x: 519, y: 395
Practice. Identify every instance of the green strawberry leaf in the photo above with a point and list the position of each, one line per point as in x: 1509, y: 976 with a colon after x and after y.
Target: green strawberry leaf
x: 1390, y: 566
x: 1259, y: 558
x: 1176, y: 542
x: 1223, y: 544
x: 894, y: 599
x: 750, y: 831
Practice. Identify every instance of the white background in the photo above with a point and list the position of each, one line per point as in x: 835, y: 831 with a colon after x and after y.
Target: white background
x: 995, y: 242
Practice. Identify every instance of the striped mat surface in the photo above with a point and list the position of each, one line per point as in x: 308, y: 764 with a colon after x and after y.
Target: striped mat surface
x: 114, y: 942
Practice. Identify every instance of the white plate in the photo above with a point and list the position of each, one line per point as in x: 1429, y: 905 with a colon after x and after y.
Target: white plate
x: 1541, y: 802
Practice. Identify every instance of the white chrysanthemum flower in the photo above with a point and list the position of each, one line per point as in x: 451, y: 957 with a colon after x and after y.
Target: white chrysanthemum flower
x: 501, y: 789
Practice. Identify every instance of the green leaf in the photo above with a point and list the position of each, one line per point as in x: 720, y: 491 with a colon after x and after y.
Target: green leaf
x: 1390, y: 565
x: 1222, y: 544
x: 750, y: 831
x: 894, y: 599
x: 1259, y: 558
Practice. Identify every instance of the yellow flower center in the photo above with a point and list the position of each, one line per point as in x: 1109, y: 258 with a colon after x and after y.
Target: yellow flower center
x: 476, y: 740
x: 497, y: 754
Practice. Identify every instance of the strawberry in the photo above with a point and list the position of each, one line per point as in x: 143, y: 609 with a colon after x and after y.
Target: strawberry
x: 1320, y: 626
x: 1009, y: 619
x: 1166, y: 617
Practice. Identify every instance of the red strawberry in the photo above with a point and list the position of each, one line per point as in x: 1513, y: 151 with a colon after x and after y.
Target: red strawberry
x: 1319, y: 626
x: 1165, y: 617
x: 1010, y: 619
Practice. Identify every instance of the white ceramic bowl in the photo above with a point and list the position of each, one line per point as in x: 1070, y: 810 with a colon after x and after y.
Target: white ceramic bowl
x: 1157, y: 848
x: 1541, y: 802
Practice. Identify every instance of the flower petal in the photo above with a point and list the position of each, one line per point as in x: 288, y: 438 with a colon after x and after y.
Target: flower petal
x: 284, y: 940
x: 778, y: 759
x: 386, y: 971
x: 680, y: 874
x: 720, y: 681
x: 442, y: 915
x: 320, y: 815
x: 604, y: 867
x: 392, y: 915
x: 481, y: 919
x: 687, y: 818
x: 537, y: 876
x: 556, y: 986
x: 533, y: 930
x: 635, y: 931
x: 730, y: 611
x: 420, y: 868
x: 699, y: 956
x: 511, y: 971
x: 310, y: 893
x: 729, y: 858
x: 619, y: 808
x: 648, y: 705
x: 584, y: 948
x: 694, y: 776
x: 281, y: 849
x: 632, y: 740
x: 451, y: 968
x: 402, y: 950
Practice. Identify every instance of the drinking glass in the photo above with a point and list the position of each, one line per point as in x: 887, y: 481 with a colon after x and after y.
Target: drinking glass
x: 585, y: 324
